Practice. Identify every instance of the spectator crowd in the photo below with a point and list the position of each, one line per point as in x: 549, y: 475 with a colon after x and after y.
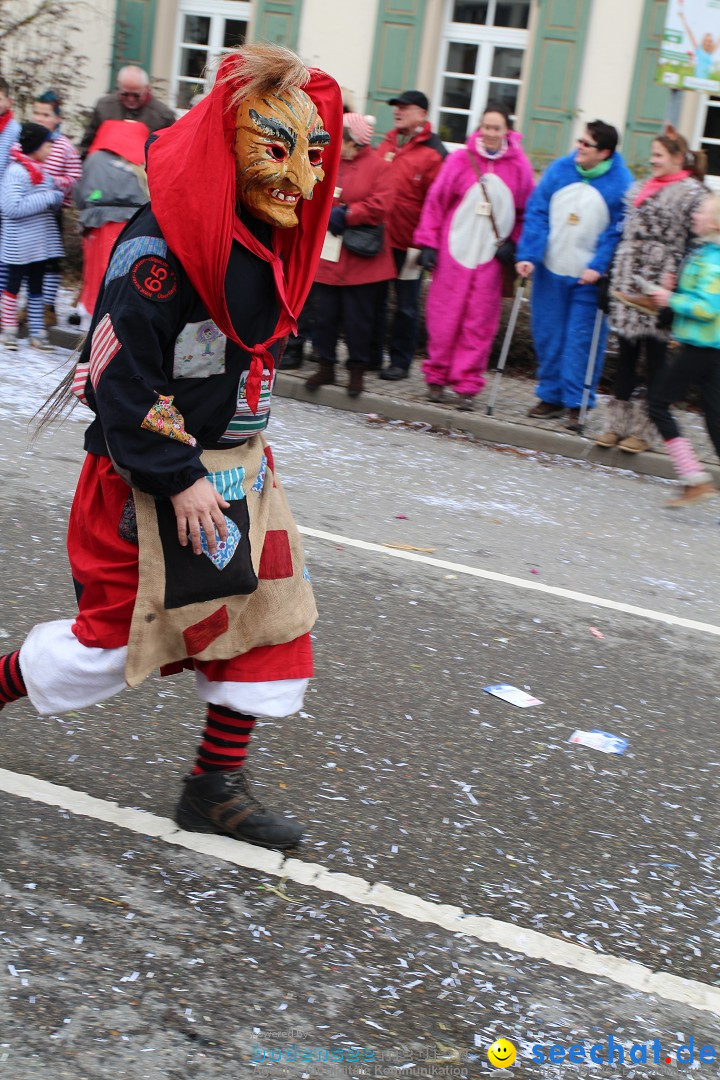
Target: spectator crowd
x: 42, y: 173
x: 602, y: 252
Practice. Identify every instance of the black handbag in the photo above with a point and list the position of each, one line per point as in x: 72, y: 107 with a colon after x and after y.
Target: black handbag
x: 365, y: 240
x: 505, y: 253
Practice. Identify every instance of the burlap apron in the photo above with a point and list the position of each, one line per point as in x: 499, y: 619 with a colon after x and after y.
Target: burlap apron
x: 188, y: 607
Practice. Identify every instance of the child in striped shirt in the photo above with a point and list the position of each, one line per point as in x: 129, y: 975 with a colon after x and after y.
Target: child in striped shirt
x: 65, y: 166
x: 30, y: 235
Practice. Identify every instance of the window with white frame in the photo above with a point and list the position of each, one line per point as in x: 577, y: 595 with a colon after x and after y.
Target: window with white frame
x: 205, y: 30
x: 483, y: 48
x: 707, y: 137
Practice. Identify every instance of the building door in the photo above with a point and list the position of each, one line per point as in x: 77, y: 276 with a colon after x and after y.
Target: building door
x: 395, y: 55
x: 649, y: 101
x: 482, y: 52
x: 554, y: 76
x: 133, y: 38
x: 205, y: 30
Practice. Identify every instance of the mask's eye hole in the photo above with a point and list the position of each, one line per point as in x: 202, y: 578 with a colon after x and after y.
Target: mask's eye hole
x: 315, y: 156
x: 277, y: 152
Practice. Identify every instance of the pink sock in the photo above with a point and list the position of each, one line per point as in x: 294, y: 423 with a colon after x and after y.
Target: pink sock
x: 684, y: 461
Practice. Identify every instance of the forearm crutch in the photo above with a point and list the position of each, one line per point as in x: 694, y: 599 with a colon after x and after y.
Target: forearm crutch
x: 519, y: 292
x: 590, y: 369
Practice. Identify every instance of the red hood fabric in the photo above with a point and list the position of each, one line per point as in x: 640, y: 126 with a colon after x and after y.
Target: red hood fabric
x: 126, y: 138
x: 33, y: 167
x: 192, y: 181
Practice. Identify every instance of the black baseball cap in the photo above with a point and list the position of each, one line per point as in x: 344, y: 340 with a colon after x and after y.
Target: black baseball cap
x: 411, y: 97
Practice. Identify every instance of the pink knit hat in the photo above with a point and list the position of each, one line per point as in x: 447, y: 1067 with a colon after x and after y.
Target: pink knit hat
x: 360, y: 127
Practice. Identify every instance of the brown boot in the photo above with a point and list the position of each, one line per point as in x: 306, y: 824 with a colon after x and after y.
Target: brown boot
x: 545, y: 410
x: 324, y: 376
x: 618, y: 415
x: 633, y: 444
x: 356, y: 381
x: 692, y: 493
x: 641, y: 432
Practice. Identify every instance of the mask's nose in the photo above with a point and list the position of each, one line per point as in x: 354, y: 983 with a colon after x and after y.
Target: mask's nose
x: 302, y: 174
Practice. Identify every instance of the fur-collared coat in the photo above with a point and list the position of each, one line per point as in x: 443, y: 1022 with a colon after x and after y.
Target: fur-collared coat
x: 656, y: 238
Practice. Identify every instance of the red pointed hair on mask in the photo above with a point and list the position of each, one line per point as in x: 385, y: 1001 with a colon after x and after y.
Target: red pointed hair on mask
x: 192, y: 180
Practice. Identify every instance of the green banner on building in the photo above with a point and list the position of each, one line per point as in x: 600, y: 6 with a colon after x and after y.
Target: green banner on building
x: 690, y: 52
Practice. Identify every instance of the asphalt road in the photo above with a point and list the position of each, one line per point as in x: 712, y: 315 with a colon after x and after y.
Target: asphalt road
x: 124, y: 954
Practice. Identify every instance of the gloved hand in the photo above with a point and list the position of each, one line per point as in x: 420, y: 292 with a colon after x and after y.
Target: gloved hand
x: 337, y: 224
x: 428, y: 258
x: 603, y: 293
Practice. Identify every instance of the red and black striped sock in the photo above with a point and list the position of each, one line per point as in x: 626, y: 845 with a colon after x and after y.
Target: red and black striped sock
x: 225, y: 740
x: 12, y: 684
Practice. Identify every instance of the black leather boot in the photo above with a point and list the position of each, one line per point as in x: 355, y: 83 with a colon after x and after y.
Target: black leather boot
x: 220, y: 802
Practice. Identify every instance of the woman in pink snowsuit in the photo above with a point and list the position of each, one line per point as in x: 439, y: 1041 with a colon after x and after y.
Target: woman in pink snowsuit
x: 475, y: 203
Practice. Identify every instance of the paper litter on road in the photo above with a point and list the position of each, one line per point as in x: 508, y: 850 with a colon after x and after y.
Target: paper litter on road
x: 600, y: 740
x: 513, y: 695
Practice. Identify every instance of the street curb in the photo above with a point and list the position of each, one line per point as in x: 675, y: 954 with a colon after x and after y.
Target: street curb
x: 482, y: 427
x: 487, y: 428
x: 65, y: 339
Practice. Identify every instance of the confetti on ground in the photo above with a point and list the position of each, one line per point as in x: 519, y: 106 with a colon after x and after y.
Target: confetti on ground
x: 596, y: 633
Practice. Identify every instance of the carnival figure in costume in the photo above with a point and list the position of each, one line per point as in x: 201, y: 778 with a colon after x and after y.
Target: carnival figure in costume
x: 182, y: 547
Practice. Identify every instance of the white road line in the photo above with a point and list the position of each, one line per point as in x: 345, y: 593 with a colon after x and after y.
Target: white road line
x: 528, y: 943
x: 520, y: 583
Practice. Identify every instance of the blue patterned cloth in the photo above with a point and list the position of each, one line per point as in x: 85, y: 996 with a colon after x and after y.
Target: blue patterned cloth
x: 130, y: 251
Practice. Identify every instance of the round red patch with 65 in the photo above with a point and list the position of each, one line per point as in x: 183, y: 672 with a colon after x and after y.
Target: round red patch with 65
x: 154, y: 278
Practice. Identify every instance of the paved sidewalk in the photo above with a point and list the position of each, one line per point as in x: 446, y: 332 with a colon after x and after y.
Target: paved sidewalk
x: 509, y: 424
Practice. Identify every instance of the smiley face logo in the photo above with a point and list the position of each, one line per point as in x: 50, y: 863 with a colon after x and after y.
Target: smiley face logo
x: 501, y: 1054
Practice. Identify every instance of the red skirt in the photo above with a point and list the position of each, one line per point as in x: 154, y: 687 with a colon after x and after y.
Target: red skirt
x: 105, y: 570
x: 97, y: 245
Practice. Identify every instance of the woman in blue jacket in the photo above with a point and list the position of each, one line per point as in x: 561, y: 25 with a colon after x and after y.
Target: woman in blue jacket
x: 573, y: 222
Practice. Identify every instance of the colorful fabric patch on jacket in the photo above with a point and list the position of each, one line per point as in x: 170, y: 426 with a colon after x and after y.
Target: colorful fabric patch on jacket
x: 224, y: 549
x: 244, y: 423
x: 199, y: 351
x: 229, y: 483
x: 130, y: 251
x: 104, y: 346
x: 80, y: 380
x: 165, y: 419
x: 154, y: 278
x: 260, y: 480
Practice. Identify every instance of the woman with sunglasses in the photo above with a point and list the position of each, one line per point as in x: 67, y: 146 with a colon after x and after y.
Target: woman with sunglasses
x: 572, y: 226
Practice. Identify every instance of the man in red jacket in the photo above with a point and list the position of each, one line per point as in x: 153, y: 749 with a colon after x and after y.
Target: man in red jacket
x: 415, y: 154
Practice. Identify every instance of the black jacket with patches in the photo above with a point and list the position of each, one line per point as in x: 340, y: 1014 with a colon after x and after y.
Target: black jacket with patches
x: 146, y: 326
